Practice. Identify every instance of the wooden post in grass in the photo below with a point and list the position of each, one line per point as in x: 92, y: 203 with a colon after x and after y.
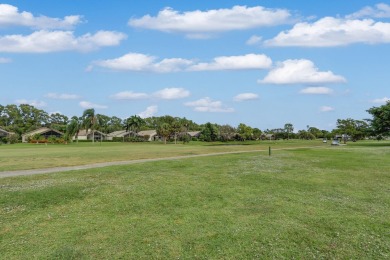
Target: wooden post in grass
x: 269, y: 151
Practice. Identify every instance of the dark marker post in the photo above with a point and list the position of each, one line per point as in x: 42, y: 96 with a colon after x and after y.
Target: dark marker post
x: 269, y: 151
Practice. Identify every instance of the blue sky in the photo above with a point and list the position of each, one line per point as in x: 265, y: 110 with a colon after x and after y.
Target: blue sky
x: 262, y: 63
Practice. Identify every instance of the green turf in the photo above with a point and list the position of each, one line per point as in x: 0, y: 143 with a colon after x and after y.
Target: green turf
x: 37, y: 156
x: 305, y: 203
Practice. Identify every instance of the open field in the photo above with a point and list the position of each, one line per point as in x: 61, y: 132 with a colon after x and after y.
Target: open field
x: 302, y: 203
x: 32, y: 156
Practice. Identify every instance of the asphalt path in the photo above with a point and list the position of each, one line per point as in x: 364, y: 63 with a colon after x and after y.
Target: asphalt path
x: 106, y: 164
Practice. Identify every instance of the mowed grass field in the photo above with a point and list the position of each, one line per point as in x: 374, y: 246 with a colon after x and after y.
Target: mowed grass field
x: 39, y: 156
x: 330, y: 202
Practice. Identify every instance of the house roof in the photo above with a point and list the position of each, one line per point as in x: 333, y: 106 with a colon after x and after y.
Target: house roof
x: 120, y: 133
x: 194, y: 133
x: 42, y: 130
x: 147, y: 132
x: 83, y: 132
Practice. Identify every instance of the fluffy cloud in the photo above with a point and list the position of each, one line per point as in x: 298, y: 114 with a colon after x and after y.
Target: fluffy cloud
x: 317, y: 91
x: 86, y: 105
x: 208, y: 105
x: 172, y: 93
x: 5, y: 60
x: 380, y: 100
x: 330, y: 31
x: 149, y: 112
x: 142, y: 62
x: 146, y: 63
x: 245, y: 62
x: 300, y: 72
x: 61, y: 96
x: 129, y: 95
x: 199, y: 24
x: 326, y: 109
x: 53, y: 41
x: 245, y: 97
x: 35, y: 103
x: 10, y: 16
x: 379, y: 11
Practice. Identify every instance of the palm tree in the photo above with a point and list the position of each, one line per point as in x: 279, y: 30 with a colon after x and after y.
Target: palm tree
x: 89, y: 121
x: 164, y: 130
x: 134, y: 123
x: 73, y: 128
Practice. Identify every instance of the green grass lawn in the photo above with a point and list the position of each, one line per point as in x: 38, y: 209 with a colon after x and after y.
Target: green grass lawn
x: 303, y: 203
x: 38, y: 156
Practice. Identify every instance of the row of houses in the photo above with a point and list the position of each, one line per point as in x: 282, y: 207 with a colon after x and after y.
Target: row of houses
x: 45, y: 132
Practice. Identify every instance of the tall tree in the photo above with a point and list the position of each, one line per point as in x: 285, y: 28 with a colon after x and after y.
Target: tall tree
x: 288, y: 128
x: 134, y: 123
x: 356, y: 129
x: 164, y: 130
x: 246, y: 132
x: 380, y: 121
x: 73, y: 129
x: 89, y: 122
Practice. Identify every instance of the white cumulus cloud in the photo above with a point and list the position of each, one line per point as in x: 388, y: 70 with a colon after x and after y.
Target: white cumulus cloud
x: 11, y: 16
x: 208, y: 105
x: 245, y: 97
x: 200, y: 24
x: 326, y: 109
x: 244, y: 62
x: 379, y: 11
x: 87, y: 104
x: 300, y: 72
x: 129, y: 95
x: 142, y: 62
x: 330, y: 32
x: 149, y: 112
x: 380, y: 100
x: 62, y: 96
x: 317, y: 91
x: 172, y: 93
x: 146, y: 63
x: 35, y: 103
x: 54, y: 41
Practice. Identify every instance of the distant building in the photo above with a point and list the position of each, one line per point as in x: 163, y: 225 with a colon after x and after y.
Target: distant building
x: 120, y: 134
x: 95, y: 134
x: 44, y: 132
x: 148, y: 135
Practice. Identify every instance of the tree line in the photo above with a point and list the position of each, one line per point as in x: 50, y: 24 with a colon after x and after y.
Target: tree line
x: 25, y: 118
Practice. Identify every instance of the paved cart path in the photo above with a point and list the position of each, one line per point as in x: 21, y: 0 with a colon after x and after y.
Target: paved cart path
x: 105, y: 164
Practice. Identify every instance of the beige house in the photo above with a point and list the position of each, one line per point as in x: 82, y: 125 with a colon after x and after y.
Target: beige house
x: 44, y: 132
x: 149, y: 135
x: 95, y: 134
x: 120, y: 134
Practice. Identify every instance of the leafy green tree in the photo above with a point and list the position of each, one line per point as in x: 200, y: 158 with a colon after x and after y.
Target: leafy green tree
x: 246, y: 132
x: 164, y: 130
x: 257, y: 133
x: 380, y: 121
x: 58, y: 121
x: 356, y: 129
x: 210, y: 132
x: 227, y: 132
x: 134, y: 123
x: 176, y: 128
